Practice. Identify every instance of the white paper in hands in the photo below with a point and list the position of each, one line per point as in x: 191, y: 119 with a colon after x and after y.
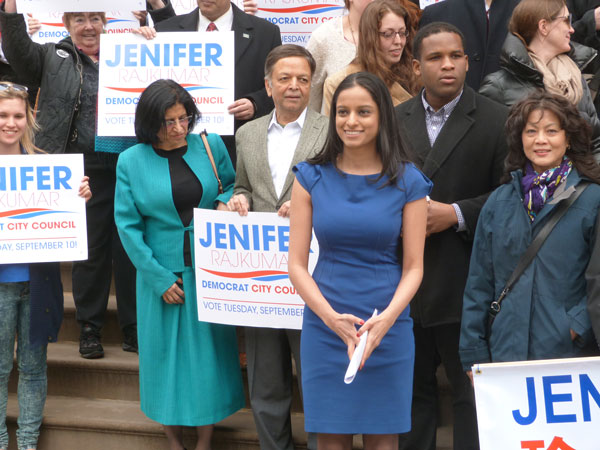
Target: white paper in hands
x: 357, y: 356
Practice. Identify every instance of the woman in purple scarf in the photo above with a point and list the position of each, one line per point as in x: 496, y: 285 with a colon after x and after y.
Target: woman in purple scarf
x: 545, y: 314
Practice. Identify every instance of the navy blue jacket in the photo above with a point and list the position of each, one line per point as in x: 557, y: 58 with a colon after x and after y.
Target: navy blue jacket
x: 550, y: 297
x: 46, y: 302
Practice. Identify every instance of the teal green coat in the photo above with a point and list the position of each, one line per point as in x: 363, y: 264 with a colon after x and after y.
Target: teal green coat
x: 146, y: 217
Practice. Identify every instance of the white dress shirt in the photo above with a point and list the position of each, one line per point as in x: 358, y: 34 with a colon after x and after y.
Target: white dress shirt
x: 223, y: 23
x: 281, y: 145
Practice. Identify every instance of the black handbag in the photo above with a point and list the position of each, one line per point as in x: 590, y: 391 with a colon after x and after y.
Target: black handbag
x: 530, y: 253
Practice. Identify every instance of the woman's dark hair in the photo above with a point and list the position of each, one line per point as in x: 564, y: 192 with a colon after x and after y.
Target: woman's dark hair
x: 369, y: 54
x: 577, y: 131
x: 389, y: 143
x: 153, y: 104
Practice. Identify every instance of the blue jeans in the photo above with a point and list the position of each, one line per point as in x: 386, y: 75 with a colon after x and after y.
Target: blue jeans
x: 31, y: 362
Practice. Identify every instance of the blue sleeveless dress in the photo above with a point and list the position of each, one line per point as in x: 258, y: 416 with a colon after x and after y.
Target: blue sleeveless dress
x: 357, y: 224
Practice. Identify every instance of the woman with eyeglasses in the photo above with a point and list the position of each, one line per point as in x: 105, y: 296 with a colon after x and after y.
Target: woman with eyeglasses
x: 538, y: 54
x: 189, y: 370
x: 384, y: 49
x: 31, y: 296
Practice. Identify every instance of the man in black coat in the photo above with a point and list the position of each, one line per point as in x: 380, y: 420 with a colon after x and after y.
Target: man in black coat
x: 484, y: 25
x: 254, y: 39
x: 457, y: 140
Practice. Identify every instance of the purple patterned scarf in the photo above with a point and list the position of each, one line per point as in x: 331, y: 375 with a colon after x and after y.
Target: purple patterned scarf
x: 537, y: 188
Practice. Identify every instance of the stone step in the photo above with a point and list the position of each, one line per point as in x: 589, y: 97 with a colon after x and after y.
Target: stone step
x: 69, y: 331
x: 99, y: 424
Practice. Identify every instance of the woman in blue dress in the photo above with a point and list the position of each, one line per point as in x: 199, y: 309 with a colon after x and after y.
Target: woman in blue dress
x: 363, y: 199
x: 189, y: 370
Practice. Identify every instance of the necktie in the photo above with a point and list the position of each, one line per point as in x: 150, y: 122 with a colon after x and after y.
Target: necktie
x: 211, y: 27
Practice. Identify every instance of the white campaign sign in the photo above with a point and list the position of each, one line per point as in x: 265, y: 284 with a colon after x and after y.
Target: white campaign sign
x: 51, y: 6
x: 297, y: 19
x: 42, y: 217
x: 241, y: 270
x: 538, y: 405
x: 424, y: 3
x: 53, y: 30
x: 203, y: 63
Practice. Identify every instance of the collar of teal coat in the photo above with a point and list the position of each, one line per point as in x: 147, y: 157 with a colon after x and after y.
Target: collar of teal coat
x: 572, y: 180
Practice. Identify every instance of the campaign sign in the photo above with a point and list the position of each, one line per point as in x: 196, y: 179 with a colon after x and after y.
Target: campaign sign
x: 425, y: 3
x: 53, y: 30
x: 203, y: 63
x: 186, y: 6
x: 538, y: 405
x: 242, y: 270
x: 45, y: 6
x: 298, y: 18
x: 42, y: 217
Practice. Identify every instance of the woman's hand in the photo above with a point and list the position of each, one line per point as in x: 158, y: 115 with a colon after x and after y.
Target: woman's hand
x: 84, y: 189
x: 250, y: 7
x: 344, y: 325
x: 239, y: 203
x: 378, y: 327
x: 174, y: 295
x: 148, y: 32
x: 33, y: 24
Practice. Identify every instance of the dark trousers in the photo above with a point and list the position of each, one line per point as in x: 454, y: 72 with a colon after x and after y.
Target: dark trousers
x: 269, y: 354
x: 92, y: 278
x: 435, y: 345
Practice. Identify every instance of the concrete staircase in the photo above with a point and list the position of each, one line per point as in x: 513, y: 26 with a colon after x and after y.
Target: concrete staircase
x: 94, y: 404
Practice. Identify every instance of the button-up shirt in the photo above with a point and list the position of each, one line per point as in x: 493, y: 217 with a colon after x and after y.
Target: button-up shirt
x: 223, y: 23
x: 281, y: 145
x: 435, y: 121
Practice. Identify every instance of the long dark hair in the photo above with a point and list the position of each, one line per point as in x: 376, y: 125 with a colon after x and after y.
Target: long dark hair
x: 154, y: 102
x: 577, y: 131
x: 389, y: 144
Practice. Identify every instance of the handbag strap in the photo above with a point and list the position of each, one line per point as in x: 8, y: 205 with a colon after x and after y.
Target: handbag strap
x: 212, y: 160
x: 534, y: 247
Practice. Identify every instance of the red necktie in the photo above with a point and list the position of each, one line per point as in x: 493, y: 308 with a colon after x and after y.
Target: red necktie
x: 211, y: 27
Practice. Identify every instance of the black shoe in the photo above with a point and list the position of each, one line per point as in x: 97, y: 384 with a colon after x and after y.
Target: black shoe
x: 130, y: 343
x: 89, y: 342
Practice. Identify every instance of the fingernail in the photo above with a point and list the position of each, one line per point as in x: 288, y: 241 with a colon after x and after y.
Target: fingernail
x: 357, y: 334
x: 362, y: 322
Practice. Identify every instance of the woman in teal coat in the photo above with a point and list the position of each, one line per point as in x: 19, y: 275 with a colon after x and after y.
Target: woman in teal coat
x: 189, y: 370
x: 544, y: 315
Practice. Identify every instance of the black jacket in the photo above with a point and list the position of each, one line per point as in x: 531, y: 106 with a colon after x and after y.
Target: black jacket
x: 519, y: 77
x: 584, y: 22
x: 57, y: 69
x: 465, y: 164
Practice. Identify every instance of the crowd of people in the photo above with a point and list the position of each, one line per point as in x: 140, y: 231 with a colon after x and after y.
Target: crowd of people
x: 436, y: 207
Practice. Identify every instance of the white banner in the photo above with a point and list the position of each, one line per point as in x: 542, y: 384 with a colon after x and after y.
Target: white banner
x: 539, y: 405
x: 242, y: 272
x: 298, y: 18
x: 53, y: 30
x: 56, y: 6
x: 424, y: 3
x: 203, y: 63
x: 42, y: 217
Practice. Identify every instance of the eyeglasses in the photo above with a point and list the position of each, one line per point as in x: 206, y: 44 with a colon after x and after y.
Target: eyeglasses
x: 390, y: 34
x: 4, y: 86
x: 183, y: 121
x: 568, y: 19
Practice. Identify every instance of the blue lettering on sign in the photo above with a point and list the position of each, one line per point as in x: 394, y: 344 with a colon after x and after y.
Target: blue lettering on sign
x: 42, y: 178
x: 587, y: 390
x: 179, y: 54
x: 246, y: 237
